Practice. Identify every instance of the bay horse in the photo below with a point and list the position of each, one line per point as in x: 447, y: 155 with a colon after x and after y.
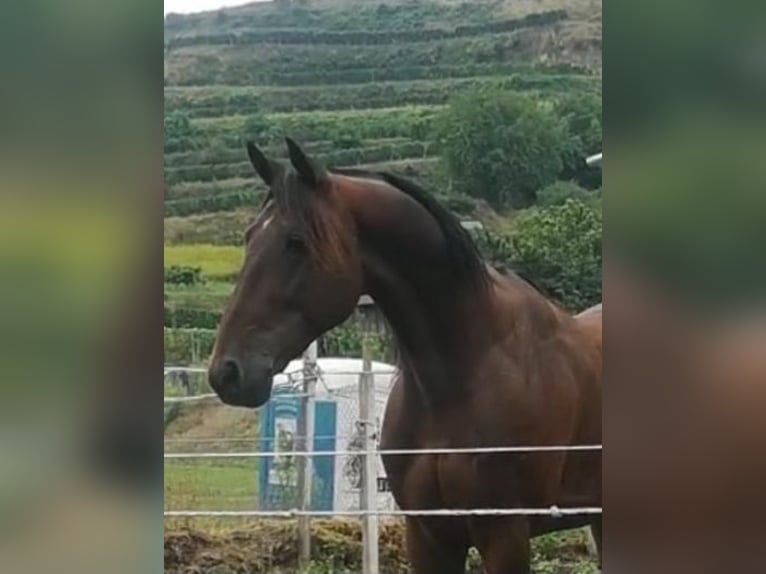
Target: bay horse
x: 485, y: 359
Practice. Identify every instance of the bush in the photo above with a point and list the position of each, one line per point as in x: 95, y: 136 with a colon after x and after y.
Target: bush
x: 192, y: 345
x: 347, y: 341
x: 501, y: 146
x: 557, y: 193
x: 183, y: 275
x: 191, y: 318
x: 557, y: 247
x: 218, y: 262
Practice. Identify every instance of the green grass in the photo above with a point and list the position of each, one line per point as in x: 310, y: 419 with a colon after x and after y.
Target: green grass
x: 219, y: 228
x: 212, y: 295
x: 216, y: 485
x: 218, y: 262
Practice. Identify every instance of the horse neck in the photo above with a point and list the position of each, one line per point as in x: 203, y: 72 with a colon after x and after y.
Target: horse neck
x: 440, y: 323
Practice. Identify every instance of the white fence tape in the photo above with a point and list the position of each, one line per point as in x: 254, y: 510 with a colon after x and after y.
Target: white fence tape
x: 191, y: 399
x: 410, y: 451
x: 554, y: 511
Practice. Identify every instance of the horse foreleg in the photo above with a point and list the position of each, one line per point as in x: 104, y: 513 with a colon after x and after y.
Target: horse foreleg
x: 431, y: 554
x: 503, y: 544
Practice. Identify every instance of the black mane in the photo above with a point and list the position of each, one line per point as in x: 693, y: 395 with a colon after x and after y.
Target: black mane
x: 467, y: 262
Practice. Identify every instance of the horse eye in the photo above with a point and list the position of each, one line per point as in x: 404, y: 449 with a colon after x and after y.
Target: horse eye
x: 295, y: 242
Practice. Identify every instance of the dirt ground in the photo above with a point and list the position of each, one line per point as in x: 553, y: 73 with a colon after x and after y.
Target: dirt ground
x: 270, y: 546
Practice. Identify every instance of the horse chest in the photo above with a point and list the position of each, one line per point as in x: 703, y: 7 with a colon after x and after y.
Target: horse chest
x: 455, y: 481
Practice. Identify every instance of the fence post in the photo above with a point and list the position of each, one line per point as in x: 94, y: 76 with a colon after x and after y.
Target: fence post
x: 306, y: 443
x: 368, y: 493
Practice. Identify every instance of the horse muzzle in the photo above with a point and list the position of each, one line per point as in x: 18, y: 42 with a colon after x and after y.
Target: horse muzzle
x: 240, y: 384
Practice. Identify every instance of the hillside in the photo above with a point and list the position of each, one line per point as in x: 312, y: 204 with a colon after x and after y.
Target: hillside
x: 358, y: 82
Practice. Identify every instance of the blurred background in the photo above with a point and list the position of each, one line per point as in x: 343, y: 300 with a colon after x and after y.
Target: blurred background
x: 82, y: 216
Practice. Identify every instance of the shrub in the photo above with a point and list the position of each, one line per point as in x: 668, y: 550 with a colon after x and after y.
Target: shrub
x: 191, y: 345
x: 218, y: 262
x: 347, y: 341
x: 557, y: 247
x: 557, y: 193
x: 191, y: 318
x: 183, y: 275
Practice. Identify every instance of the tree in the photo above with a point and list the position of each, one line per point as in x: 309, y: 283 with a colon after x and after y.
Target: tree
x: 559, y: 248
x: 581, y: 114
x: 500, y: 146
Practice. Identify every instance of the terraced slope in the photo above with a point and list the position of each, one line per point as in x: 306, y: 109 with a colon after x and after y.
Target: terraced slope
x: 359, y: 83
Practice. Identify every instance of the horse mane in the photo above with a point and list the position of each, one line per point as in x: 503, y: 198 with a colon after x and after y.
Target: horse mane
x: 467, y: 262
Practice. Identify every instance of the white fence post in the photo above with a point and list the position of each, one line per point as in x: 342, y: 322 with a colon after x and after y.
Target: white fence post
x: 306, y: 443
x: 369, y: 488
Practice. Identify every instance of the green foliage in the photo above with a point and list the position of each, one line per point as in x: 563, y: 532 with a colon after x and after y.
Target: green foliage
x: 193, y: 344
x: 501, y: 146
x: 368, y: 89
x: 581, y: 114
x: 242, y: 169
x: 189, y: 189
x: 209, y: 204
x: 348, y: 340
x: 364, y: 38
x: 259, y: 128
x: 218, y: 262
x: 183, y: 275
x: 178, y: 131
x: 188, y: 346
x: 191, y: 318
x: 347, y: 141
x: 406, y: 122
x: 558, y: 247
x: 218, y: 228
x: 307, y: 63
x: 558, y: 192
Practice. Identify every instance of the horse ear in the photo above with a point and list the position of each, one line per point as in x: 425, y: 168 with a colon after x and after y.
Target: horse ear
x: 311, y: 171
x: 267, y: 169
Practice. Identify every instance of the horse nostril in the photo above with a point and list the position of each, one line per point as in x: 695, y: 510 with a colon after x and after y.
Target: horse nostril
x: 230, y: 373
x: 227, y: 374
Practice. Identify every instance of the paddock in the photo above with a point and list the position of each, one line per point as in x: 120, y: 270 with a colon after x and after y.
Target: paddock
x: 324, y: 474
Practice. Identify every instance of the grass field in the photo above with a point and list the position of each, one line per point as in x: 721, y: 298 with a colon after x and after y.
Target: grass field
x: 212, y: 296
x: 219, y: 262
x: 214, y: 485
